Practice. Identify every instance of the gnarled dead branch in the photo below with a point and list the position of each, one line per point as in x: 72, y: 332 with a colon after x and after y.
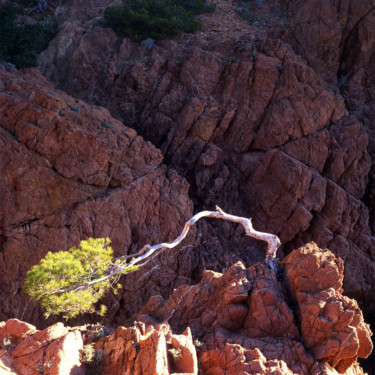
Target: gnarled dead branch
x: 121, y: 264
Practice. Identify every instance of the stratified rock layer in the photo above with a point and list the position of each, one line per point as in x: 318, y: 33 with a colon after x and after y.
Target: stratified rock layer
x: 240, y: 322
x: 70, y: 171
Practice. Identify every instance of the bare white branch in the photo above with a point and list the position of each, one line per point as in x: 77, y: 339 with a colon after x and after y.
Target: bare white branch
x: 119, y: 265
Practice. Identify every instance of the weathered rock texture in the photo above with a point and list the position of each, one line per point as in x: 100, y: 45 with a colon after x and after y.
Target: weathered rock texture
x: 55, y: 350
x: 79, y: 11
x: 240, y: 322
x: 145, y: 349
x: 70, y: 171
x: 251, y: 126
x: 338, y: 40
x: 332, y: 325
x: 247, y: 315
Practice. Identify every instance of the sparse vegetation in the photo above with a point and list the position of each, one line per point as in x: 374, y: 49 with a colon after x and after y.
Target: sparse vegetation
x: 97, y: 333
x: 198, y: 344
x: 50, y: 283
x: 44, y: 368
x: 8, y: 344
x: 254, y: 13
x: 7, y: 341
x: 156, y: 19
x: 20, y: 44
x: 93, y: 359
x: 175, y: 353
x: 149, y: 43
x: 88, y: 353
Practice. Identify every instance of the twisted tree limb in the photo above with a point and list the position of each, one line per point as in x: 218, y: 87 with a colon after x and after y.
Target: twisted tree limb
x: 41, y: 5
x: 120, y: 265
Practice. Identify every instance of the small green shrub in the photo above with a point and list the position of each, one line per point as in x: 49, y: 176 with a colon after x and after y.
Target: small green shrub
x: 93, y: 359
x: 97, y: 333
x: 196, y: 6
x: 156, y: 19
x: 175, y: 353
x: 44, y: 367
x: 21, y: 44
x: 88, y: 353
x: 53, y: 282
x: 249, y: 16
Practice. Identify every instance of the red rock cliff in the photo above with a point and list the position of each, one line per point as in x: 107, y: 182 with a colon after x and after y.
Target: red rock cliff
x: 70, y: 171
x: 253, y: 126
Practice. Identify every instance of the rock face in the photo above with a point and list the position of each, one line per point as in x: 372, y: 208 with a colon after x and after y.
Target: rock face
x: 70, y: 171
x: 240, y: 322
x: 251, y: 126
x: 337, y: 38
x: 331, y: 324
x: 142, y: 349
x: 55, y: 350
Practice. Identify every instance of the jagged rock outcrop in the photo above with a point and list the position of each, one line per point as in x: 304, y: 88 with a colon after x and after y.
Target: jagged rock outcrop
x: 55, y: 350
x: 337, y: 39
x: 243, y: 321
x: 70, y: 171
x: 81, y: 11
x: 145, y: 349
x: 332, y: 325
x: 248, y: 309
x: 251, y: 126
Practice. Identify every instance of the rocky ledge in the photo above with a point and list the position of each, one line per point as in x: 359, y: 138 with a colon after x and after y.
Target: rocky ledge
x: 240, y: 322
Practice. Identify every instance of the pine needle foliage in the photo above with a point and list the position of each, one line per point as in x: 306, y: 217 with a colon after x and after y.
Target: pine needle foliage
x: 21, y: 44
x: 156, y: 19
x: 62, y: 283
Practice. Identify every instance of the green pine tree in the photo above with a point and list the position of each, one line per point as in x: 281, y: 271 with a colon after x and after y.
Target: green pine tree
x: 69, y: 282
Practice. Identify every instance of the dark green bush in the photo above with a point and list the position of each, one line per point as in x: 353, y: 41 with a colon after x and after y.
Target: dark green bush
x: 21, y: 44
x: 156, y: 19
x: 196, y: 6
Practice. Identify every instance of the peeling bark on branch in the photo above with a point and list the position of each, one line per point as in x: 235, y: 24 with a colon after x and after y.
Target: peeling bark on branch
x: 119, y: 265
